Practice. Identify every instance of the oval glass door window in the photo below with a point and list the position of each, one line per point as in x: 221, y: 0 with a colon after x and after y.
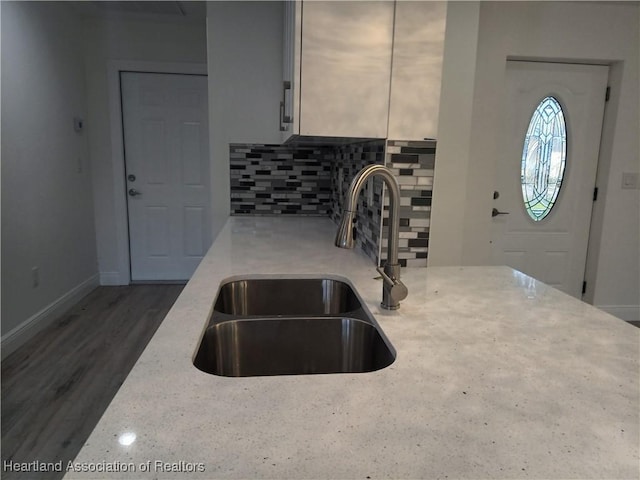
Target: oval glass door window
x: 543, y: 158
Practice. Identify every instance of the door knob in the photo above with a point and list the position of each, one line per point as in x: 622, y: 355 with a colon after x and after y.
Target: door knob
x: 495, y: 212
x: 133, y: 192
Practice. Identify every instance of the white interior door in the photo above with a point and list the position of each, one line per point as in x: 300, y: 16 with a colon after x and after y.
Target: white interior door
x: 552, y: 249
x: 165, y: 122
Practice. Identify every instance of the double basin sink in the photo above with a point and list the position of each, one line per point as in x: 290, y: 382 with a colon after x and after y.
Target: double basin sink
x: 291, y: 325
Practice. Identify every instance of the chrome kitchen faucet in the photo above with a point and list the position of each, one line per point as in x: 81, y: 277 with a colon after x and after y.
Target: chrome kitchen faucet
x: 393, y: 290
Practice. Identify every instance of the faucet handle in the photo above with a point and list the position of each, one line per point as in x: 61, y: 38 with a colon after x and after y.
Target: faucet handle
x: 386, y: 278
x: 398, y: 292
x: 395, y: 289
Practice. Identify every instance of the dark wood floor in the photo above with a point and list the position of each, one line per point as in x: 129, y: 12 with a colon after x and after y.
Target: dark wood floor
x: 56, y: 387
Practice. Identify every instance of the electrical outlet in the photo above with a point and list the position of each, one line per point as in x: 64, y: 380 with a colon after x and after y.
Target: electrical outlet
x: 629, y: 181
x: 35, y: 277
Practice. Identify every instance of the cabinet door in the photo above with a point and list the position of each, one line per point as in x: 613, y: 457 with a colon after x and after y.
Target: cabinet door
x: 290, y: 103
x: 345, y: 68
x: 417, y: 70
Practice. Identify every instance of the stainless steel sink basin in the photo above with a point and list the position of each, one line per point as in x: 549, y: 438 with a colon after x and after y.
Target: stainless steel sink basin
x: 288, y: 326
x: 286, y: 296
x: 289, y: 346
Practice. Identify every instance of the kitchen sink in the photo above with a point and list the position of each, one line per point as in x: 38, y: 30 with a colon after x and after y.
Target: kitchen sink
x: 291, y: 326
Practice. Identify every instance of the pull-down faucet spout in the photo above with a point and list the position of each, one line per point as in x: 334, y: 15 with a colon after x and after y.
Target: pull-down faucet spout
x: 393, y: 290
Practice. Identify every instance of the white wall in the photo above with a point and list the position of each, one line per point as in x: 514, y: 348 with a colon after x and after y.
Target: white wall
x: 111, y: 44
x: 451, y: 174
x: 245, y: 84
x: 47, y: 209
x: 566, y: 31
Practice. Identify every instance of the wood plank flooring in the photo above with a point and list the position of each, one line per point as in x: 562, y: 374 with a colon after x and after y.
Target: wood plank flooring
x: 56, y: 387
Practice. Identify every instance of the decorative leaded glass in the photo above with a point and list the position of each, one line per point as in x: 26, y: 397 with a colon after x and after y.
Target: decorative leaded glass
x: 543, y: 158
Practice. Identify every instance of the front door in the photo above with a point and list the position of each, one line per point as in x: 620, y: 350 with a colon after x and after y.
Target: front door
x: 165, y: 122
x: 542, y: 228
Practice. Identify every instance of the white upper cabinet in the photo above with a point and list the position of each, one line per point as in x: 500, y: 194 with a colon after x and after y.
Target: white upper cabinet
x: 340, y: 68
x: 417, y: 69
x: 349, y: 73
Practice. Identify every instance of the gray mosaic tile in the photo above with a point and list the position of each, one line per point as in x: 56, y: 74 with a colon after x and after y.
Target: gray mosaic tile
x: 278, y: 179
x: 282, y: 179
x: 348, y: 160
x: 414, y: 162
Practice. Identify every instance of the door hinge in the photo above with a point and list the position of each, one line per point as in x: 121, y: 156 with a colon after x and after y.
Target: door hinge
x: 584, y: 287
x: 607, y: 94
x: 595, y: 193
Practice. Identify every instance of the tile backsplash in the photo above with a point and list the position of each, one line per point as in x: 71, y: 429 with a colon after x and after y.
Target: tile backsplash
x: 304, y: 180
x: 278, y: 179
x: 412, y: 163
x: 347, y: 161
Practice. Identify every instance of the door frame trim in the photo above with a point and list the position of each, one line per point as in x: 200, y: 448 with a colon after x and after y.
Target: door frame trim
x: 114, y: 68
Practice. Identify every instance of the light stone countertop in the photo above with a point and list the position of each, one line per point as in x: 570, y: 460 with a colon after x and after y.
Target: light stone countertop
x: 496, y: 376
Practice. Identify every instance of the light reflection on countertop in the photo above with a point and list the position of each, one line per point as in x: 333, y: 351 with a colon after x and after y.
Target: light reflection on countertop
x: 127, y: 438
x: 528, y: 284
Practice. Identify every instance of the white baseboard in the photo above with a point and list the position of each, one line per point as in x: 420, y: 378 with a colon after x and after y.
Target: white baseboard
x: 629, y: 313
x: 112, y: 278
x: 34, y: 324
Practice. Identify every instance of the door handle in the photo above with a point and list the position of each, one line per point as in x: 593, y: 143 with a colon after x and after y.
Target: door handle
x: 133, y: 192
x: 286, y: 85
x: 284, y: 118
x: 283, y: 127
x: 495, y: 212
